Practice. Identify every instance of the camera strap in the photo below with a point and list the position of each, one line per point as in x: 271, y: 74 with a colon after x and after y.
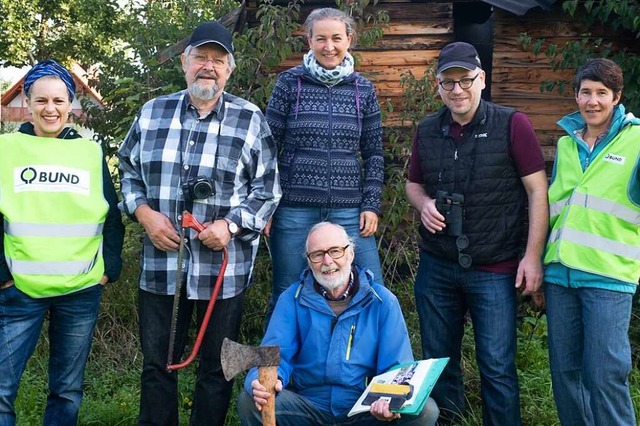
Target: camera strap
x: 462, y: 241
x: 194, y: 135
x: 471, y: 168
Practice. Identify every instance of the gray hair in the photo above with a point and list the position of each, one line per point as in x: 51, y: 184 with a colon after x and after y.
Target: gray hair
x: 230, y: 58
x: 330, y: 13
x: 314, y: 228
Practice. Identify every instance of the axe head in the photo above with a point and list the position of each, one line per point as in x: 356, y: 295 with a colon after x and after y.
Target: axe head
x: 236, y: 358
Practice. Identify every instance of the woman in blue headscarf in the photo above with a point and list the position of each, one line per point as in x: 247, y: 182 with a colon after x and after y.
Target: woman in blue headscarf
x: 61, y: 236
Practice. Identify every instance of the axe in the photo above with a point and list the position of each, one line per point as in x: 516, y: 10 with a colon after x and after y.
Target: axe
x: 236, y: 358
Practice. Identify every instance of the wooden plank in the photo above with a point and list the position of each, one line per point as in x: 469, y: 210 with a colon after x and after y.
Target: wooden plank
x: 419, y: 28
x: 512, y: 45
x: 549, y: 153
x: 390, y: 74
x: 531, y: 106
x: 520, y: 90
x: 414, y: 11
x: 430, y: 42
x: 519, y: 58
x: 393, y: 100
x: 549, y: 138
x: 542, y: 121
x: 533, y: 76
x: 541, y: 28
x: 397, y: 59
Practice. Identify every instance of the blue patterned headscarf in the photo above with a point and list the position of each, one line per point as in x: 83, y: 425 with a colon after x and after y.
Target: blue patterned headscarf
x: 49, y: 67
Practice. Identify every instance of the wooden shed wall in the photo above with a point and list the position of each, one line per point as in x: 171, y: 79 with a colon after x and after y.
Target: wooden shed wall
x: 416, y: 32
x: 418, y: 29
x: 517, y: 75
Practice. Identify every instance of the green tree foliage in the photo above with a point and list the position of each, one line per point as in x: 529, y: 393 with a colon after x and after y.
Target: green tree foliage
x: 370, y: 25
x: 131, y: 74
x: 398, y: 236
x: 124, y: 39
x: 78, y: 30
x: 621, y: 17
x: 260, y: 49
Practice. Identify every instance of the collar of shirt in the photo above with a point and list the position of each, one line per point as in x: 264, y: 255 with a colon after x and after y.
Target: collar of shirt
x: 599, y: 138
x: 456, y: 130
x: 218, y: 109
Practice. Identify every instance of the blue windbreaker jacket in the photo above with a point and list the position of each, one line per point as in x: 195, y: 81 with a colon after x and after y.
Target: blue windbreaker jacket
x: 327, y: 358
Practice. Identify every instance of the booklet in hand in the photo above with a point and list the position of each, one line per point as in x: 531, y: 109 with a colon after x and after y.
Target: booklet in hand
x: 406, y: 387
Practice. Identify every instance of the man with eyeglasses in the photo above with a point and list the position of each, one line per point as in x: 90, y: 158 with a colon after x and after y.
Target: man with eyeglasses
x: 211, y: 153
x: 335, y: 327
x: 474, y: 168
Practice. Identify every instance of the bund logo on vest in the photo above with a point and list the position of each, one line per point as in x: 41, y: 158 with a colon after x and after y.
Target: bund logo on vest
x: 615, y: 159
x: 51, y: 179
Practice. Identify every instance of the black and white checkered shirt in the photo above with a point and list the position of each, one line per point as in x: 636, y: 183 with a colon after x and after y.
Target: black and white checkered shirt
x: 169, y: 143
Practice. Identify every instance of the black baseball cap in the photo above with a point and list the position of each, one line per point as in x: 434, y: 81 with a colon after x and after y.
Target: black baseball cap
x: 458, y: 55
x: 212, y: 32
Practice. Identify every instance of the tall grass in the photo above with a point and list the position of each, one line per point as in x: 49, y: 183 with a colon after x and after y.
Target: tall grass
x: 112, y: 377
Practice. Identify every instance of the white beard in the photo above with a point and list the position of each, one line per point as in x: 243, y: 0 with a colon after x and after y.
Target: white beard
x: 203, y: 93
x: 335, y: 280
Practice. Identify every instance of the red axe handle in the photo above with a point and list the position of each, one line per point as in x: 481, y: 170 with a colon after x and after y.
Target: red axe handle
x: 268, y: 376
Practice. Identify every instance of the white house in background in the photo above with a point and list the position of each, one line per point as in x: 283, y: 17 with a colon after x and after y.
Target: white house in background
x: 14, y: 105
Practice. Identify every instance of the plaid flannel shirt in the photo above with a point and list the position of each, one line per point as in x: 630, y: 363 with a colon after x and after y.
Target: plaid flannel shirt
x: 169, y: 143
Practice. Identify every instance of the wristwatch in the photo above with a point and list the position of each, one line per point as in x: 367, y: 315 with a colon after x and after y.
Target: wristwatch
x: 232, y: 227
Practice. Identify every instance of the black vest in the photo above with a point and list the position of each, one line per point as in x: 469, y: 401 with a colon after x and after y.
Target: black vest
x: 481, y: 168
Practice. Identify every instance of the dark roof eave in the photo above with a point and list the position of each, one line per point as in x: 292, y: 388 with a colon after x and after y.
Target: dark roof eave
x: 520, y: 7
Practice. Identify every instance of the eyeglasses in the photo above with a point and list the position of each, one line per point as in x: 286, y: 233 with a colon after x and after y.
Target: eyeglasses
x: 465, y: 83
x: 334, y: 252
x: 218, y: 63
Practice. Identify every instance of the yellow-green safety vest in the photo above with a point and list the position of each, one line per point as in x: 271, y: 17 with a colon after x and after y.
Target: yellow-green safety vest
x: 595, y: 226
x: 52, y: 200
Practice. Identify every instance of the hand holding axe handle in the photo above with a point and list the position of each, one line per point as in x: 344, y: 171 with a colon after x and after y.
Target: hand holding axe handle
x: 236, y: 358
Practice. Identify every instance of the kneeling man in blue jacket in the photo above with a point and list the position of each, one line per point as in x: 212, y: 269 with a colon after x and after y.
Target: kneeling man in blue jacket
x: 335, y: 327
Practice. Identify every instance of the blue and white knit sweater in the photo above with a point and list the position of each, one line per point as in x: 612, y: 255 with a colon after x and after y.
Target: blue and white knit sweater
x: 329, y: 141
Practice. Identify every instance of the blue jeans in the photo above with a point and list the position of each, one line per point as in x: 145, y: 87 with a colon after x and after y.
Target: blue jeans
x: 590, y: 355
x: 159, y: 388
x: 72, y: 319
x: 295, y: 410
x: 444, y: 292
x: 288, y: 236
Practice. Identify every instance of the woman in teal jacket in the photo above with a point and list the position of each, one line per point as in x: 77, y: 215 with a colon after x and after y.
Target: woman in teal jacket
x: 593, y: 252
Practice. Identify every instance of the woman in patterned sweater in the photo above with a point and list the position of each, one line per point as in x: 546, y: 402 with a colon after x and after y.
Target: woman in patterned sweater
x: 325, y: 118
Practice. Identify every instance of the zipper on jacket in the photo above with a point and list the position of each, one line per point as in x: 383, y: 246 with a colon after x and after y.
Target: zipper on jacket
x: 350, y: 341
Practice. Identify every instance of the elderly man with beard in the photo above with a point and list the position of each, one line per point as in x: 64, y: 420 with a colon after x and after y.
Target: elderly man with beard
x: 211, y: 153
x: 336, y: 327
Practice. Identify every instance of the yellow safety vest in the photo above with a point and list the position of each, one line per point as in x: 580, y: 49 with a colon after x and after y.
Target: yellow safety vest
x: 595, y: 227
x: 54, y: 209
